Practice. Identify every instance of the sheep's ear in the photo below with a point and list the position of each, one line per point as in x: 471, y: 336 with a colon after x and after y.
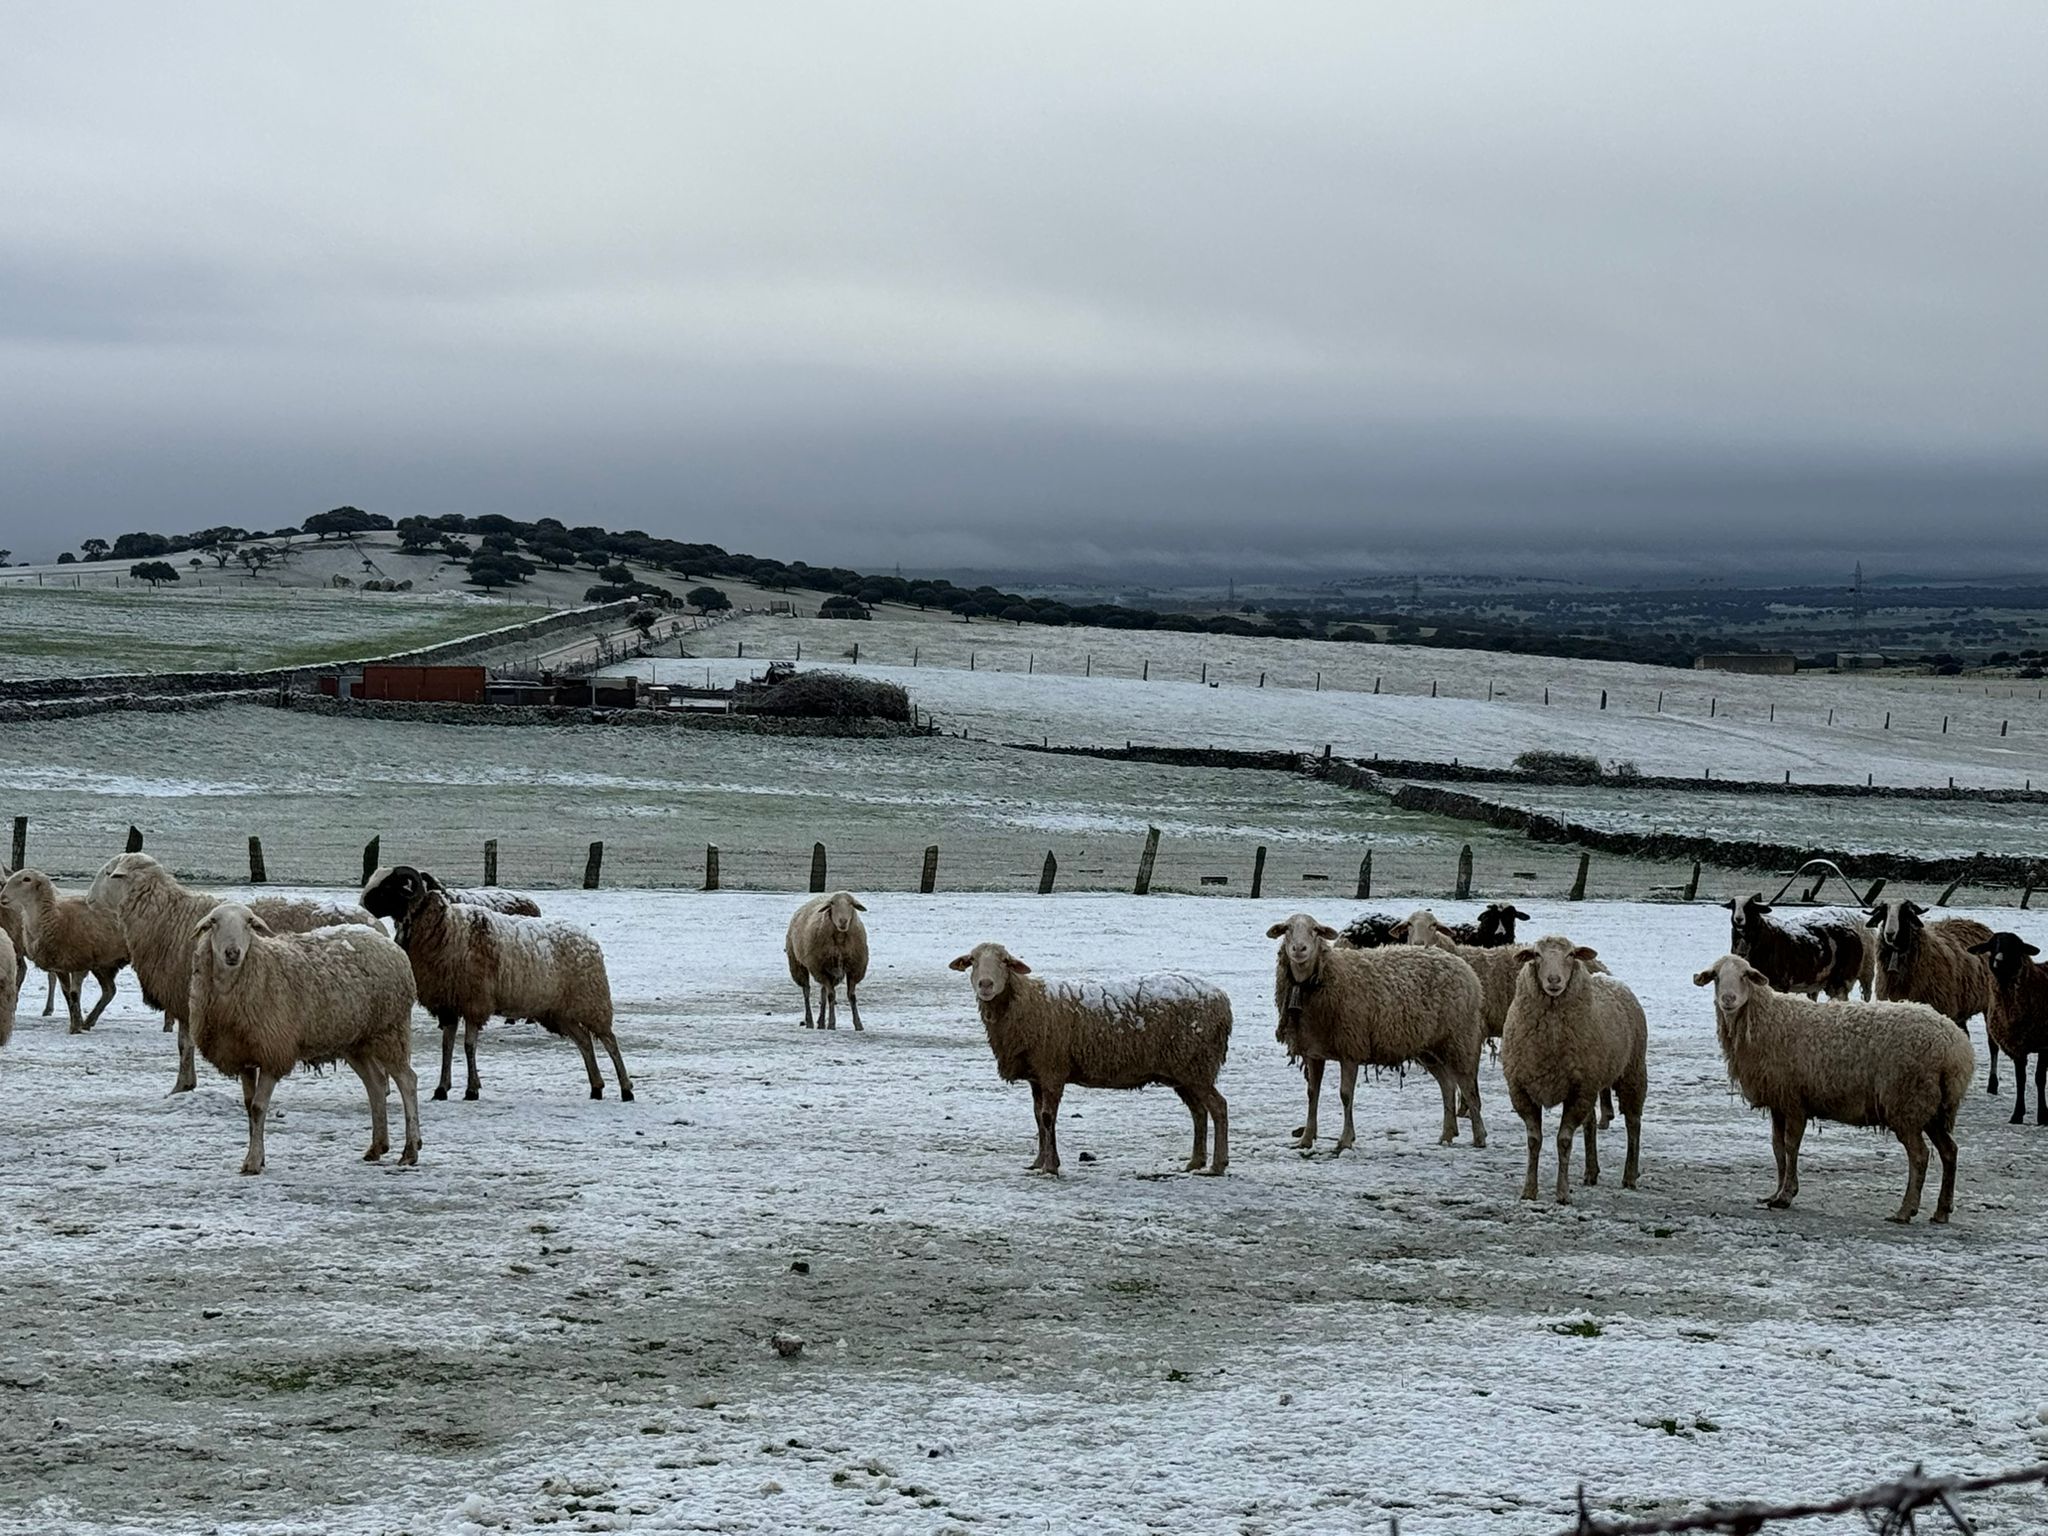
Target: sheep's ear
x: 1399, y: 931
x: 257, y: 925
x: 1521, y: 916
x: 1758, y: 905
x: 1325, y: 931
x: 858, y: 907
x: 1703, y: 978
x: 1524, y: 956
x: 205, y: 927
x: 1011, y: 962
x: 1729, y: 903
x: 1913, y: 907
x: 1981, y: 949
x: 960, y: 964
x: 2031, y: 949
x: 1876, y: 918
x: 1276, y: 930
x: 1584, y: 952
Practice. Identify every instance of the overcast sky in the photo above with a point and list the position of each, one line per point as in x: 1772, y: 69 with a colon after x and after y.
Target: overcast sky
x: 1040, y: 285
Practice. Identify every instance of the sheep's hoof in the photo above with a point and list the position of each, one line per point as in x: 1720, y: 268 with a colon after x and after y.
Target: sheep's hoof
x: 2041, y: 1117
x: 178, y: 1088
x: 625, y: 1095
x: 168, y: 1026
x: 440, y: 1093
x: 1478, y: 1143
x: 1528, y: 1191
x: 246, y: 1168
x: 1900, y: 1218
x: 1215, y: 1172
x: 1777, y: 1203
x: 1592, y: 1178
x: 2018, y: 1117
x: 1938, y: 1219
x: 1628, y: 1181
x: 409, y: 1157
x: 597, y: 1093
x: 472, y: 1092
x: 77, y: 1029
x: 375, y: 1154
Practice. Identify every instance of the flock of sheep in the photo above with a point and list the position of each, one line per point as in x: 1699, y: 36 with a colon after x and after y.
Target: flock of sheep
x: 260, y: 987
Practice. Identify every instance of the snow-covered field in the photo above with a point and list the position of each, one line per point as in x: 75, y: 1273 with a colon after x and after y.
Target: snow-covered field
x: 1819, y: 727
x: 562, y: 1317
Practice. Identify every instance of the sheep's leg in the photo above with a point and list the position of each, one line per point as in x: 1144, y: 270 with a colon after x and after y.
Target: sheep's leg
x: 1219, y: 1111
x: 375, y: 1085
x: 1312, y: 1076
x: 473, y: 1083
x: 852, y: 1006
x: 1991, y: 1083
x: 256, y: 1089
x: 106, y: 981
x: 188, y: 1073
x: 611, y: 1046
x: 1943, y: 1137
x: 581, y: 1036
x: 1568, y: 1117
x: 1200, y: 1115
x: 1606, y: 1108
x: 1532, y: 1127
x: 1592, y: 1132
x: 1472, y: 1109
x: 447, y: 1019
x: 1038, y: 1124
x: 2019, y: 1085
x: 1632, y: 1095
x: 2041, y: 1089
x: 49, y: 993
x: 1449, y: 1090
x: 1788, y: 1183
x: 74, y: 983
x: 831, y: 990
x: 1916, y: 1162
x: 1049, y: 1121
x: 806, y: 984
x: 1347, y: 1085
x: 409, y: 1098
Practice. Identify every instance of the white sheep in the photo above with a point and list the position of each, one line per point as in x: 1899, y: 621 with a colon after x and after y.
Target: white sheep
x: 1382, y: 1007
x: 1168, y: 1029
x: 828, y: 943
x: 1897, y: 1065
x: 264, y: 1003
x: 1572, y: 1035
x: 157, y: 913
x: 472, y: 965
x: 69, y: 938
x: 1496, y: 966
x: 10, y: 988
x: 10, y: 925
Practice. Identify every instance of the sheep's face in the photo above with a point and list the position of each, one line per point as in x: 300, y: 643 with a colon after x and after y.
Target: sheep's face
x: 1735, y: 981
x: 990, y: 966
x: 229, y: 930
x: 841, y: 908
x: 1556, y: 961
x: 1302, y: 942
x: 118, y: 879
x: 1419, y: 927
x: 391, y: 892
x: 1744, y: 920
x: 2006, y: 953
x: 1497, y: 923
x: 1898, y: 927
x: 23, y: 887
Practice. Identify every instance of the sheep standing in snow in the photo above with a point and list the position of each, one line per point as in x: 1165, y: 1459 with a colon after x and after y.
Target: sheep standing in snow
x: 1807, y: 950
x: 1382, y: 1007
x: 471, y: 965
x: 828, y: 943
x: 10, y: 988
x: 1897, y: 1065
x: 1167, y: 1029
x: 1496, y: 966
x: 1931, y: 963
x: 10, y: 925
x: 1572, y: 1035
x: 156, y: 915
x: 264, y: 1003
x: 68, y: 937
x: 2016, y: 1017
x: 1494, y: 927
x: 490, y: 897
x: 1369, y: 930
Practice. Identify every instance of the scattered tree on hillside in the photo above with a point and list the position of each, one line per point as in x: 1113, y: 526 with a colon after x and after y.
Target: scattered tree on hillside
x: 1020, y: 613
x: 155, y: 572
x: 617, y: 575
x: 553, y: 553
x: 67, y: 558
x: 707, y: 599
x: 841, y: 607
x: 6, y: 555
x: 418, y: 538
x: 344, y: 521
x: 496, y: 568
x: 256, y: 557
x: 644, y: 621
x: 141, y: 546
x: 454, y: 550
x: 95, y: 549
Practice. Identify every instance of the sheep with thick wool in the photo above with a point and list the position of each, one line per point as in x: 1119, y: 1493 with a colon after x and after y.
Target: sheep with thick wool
x: 10, y: 988
x: 1810, y: 950
x: 68, y: 937
x: 1932, y: 963
x: 826, y: 942
x: 157, y: 914
x: 471, y: 965
x: 1573, y: 1034
x: 2016, y: 1016
x: 1496, y: 966
x: 10, y: 926
x: 1168, y: 1029
x: 492, y: 898
x: 1383, y: 1007
x: 263, y: 1003
x: 1900, y: 1066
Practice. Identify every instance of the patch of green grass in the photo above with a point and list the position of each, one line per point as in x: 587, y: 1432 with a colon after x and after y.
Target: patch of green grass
x: 1584, y: 1328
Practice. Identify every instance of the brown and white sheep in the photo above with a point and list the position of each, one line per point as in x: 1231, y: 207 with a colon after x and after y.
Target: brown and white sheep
x: 1931, y: 963
x: 157, y: 914
x: 263, y: 1003
x: 2016, y: 1016
x: 1382, y: 1007
x: 1809, y: 950
x: 68, y: 937
x: 472, y: 965
x: 827, y: 942
x: 1168, y: 1029
x: 1572, y: 1036
x: 1897, y: 1065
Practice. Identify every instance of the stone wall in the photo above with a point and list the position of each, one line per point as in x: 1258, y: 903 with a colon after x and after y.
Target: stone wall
x: 508, y: 715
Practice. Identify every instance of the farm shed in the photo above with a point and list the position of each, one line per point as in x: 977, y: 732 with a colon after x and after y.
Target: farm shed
x: 1772, y: 663
x: 418, y: 685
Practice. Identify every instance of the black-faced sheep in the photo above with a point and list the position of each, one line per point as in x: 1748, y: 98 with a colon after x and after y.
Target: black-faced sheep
x: 1168, y: 1029
x: 69, y: 938
x: 1811, y: 950
x: 1382, y: 1007
x: 264, y: 1003
x: 1897, y: 1065
x: 828, y: 943
x: 472, y: 965
x: 1369, y: 930
x: 490, y: 897
x: 2016, y: 1018
x: 1931, y: 963
x: 1572, y: 1035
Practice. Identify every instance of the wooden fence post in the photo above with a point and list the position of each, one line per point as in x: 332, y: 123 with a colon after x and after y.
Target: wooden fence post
x: 1146, y: 675
x: 593, y: 867
x: 928, y: 879
x: 490, y: 861
x: 1692, y: 886
x: 1578, y: 892
x: 20, y: 855
x: 1942, y: 899
x: 1047, y: 875
x: 817, y: 868
x: 1365, y: 876
x: 1464, y: 890
x: 257, y: 874
x: 370, y: 850
x: 1145, y: 862
x: 711, y: 866
x: 1258, y: 871
x: 134, y: 838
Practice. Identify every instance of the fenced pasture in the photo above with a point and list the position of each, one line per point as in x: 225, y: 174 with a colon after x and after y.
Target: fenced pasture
x: 562, y: 1318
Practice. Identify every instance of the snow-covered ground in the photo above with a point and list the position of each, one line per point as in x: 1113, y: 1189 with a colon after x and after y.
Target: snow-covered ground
x: 563, y: 1316
x: 1487, y: 707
